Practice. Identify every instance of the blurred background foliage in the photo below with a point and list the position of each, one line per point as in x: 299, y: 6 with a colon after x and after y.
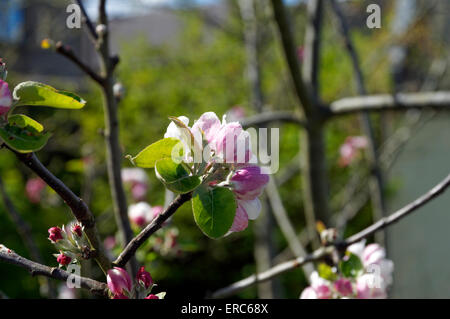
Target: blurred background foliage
x: 198, y: 72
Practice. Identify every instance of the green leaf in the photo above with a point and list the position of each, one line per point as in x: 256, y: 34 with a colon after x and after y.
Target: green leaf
x: 326, y: 272
x: 352, y: 267
x: 157, y: 151
x: 214, y: 210
x: 23, y: 134
x: 35, y: 93
x: 175, y: 177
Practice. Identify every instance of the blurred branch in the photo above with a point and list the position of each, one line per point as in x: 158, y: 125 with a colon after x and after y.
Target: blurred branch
x: 376, y: 183
x: 285, y: 224
x: 271, y: 117
x: 87, y: 20
x: 37, y: 269
x: 151, y: 228
x: 66, y: 51
x: 399, y: 101
x: 24, y: 230
x: 341, y: 245
x: 76, y: 204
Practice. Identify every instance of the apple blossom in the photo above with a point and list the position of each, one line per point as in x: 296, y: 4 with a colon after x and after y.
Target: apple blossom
x: 156, y: 210
x: 63, y: 259
x: 152, y: 296
x: 350, y: 149
x: 55, y: 234
x: 77, y: 230
x: 140, y: 213
x: 235, y: 113
x: 232, y: 144
x: 208, y: 124
x: 118, y: 281
x: 308, y: 293
x: 321, y: 286
x: 343, y: 286
x: 248, y: 182
x: 34, y: 188
x: 368, y: 286
x: 5, y: 98
x: 138, y: 180
x: 144, y: 278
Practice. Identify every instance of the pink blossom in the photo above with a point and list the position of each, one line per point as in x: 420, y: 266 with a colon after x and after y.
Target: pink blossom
x: 118, y: 281
x: 209, y: 124
x: 343, y: 286
x: 232, y: 144
x: 138, y: 180
x: 370, y: 286
x: 63, y: 259
x: 120, y: 296
x: 246, y: 209
x: 34, y: 188
x: 138, y: 191
x: 109, y: 242
x: 249, y: 182
x: 140, y: 213
x: 350, y: 149
x: 55, y: 234
x: 301, y: 53
x: 321, y: 286
x: 144, y: 278
x: 5, y: 98
x: 152, y: 296
x: 308, y: 293
x: 156, y: 210
x: 240, y: 220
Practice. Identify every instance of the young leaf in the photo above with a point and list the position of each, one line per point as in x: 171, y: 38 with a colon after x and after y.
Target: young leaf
x: 35, y: 93
x: 175, y: 177
x: 214, y: 210
x: 23, y: 134
x: 352, y: 267
x: 326, y: 272
x: 158, y: 150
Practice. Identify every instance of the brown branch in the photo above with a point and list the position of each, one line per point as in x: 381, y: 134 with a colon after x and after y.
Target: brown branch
x: 151, y: 228
x: 37, y: 269
x: 76, y: 204
x: 87, y: 20
x: 382, y: 102
x: 325, y: 251
x: 271, y: 117
x: 67, y: 52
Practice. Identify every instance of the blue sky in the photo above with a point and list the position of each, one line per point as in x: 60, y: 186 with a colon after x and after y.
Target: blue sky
x: 136, y: 7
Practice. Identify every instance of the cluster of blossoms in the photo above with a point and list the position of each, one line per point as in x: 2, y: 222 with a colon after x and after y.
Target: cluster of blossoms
x: 71, y: 243
x: 141, y: 214
x: 137, y: 180
x: 222, y: 152
x: 121, y: 286
x: 351, y: 148
x: 369, y: 282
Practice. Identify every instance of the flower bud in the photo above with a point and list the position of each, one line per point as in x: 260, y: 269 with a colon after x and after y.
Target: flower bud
x: 55, y: 234
x: 5, y: 98
x: 144, y: 278
x: 3, y: 70
x: 118, y: 280
x: 152, y: 296
x: 140, y: 213
x: 77, y: 230
x: 63, y: 259
x: 118, y: 90
x: 232, y: 144
x: 344, y: 287
x: 101, y: 30
x: 308, y: 293
x: 120, y: 296
x: 248, y: 182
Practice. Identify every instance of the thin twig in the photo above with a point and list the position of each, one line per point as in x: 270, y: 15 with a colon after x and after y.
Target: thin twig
x: 66, y: 51
x: 37, y: 269
x: 272, y: 117
x: 325, y: 251
x: 79, y: 208
x: 151, y: 228
x: 87, y: 20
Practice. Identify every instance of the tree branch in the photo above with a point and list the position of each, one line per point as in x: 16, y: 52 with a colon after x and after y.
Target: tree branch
x: 381, y: 102
x: 66, y: 51
x: 87, y: 20
x: 325, y: 251
x: 270, y: 117
x: 36, y: 269
x: 151, y: 228
x: 76, y: 204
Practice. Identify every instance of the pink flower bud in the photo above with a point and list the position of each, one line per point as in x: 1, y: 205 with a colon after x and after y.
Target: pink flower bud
x: 77, y: 229
x: 144, y: 278
x: 55, y: 234
x: 308, y: 293
x: 373, y: 254
x: 34, y: 188
x: 152, y: 296
x: 246, y: 209
x: 232, y: 144
x: 5, y: 98
x: 118, y: 280
x: 249, y: 182
x: 323, y: 292
x: 370, y: 286
x: 240, y: 221
x: 63, y: 259
x: 156, y: 210
x: 120, y: 296
x: 344, y: 287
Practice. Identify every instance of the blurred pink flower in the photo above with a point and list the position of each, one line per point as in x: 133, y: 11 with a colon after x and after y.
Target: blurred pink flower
x: 5, y: 98
x: 152, y: 296
x: 350, y: 149
x: 109, y: 242
x: 34, y: 188
x: 236, y: 113
x: 344, y: 287
x: 248, y: 182
x: 138, y: 180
